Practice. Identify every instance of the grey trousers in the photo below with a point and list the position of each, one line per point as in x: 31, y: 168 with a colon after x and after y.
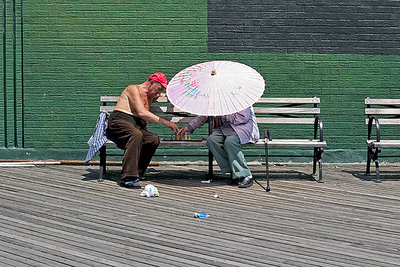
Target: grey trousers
x: 228, y: 154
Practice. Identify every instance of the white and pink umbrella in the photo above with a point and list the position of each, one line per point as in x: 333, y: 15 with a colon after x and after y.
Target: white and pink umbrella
x: 215, y: 88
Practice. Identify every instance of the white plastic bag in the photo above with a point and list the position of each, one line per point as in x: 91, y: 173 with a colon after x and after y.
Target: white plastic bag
x: 150, y: 191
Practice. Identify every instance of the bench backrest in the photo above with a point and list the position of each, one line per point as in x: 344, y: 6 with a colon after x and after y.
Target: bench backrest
x: 161, y: 107
x: 387, y: 111
x: 268, y: 111
x: 287, y: 110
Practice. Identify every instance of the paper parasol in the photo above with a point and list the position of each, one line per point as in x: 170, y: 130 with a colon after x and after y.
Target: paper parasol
x: 215, y: 88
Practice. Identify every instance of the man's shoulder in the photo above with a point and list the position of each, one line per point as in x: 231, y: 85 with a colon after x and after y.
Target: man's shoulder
x: 132, y: 87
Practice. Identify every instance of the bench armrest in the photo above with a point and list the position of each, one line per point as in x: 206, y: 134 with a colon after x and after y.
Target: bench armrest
x: 377, y: 127
x: 267, y: 135
x: 318, y: 124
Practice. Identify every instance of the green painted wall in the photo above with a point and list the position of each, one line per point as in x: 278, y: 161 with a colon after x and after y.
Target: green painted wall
x: 75, y: 51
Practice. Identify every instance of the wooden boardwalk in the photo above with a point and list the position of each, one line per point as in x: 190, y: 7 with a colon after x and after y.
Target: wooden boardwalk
x: 61, y: 216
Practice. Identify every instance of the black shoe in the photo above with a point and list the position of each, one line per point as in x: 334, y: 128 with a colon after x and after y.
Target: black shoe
x: 231, y: 181
x: 130, y: 183
x: 246, y: 182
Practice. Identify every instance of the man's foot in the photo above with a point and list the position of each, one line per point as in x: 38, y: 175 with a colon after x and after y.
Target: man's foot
x: 130, y: 182
x: 246, y: 182
x: 232, y: 181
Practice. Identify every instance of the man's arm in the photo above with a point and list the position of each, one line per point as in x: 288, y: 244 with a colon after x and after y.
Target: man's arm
x: 137, y: 102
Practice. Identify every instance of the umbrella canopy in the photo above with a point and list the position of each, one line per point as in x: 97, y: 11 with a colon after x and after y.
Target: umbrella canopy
x: 215, y: 88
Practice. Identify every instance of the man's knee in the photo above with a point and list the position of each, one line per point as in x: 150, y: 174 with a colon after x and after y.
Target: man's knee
x: 156, y: 140
x: 232, y: 141
x: 152, y: 139
x: 212, y: 140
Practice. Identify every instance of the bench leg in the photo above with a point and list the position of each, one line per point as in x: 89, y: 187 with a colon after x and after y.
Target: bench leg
x: 377, y: 177
x: 102, y: 169
x: 210, y: 175
x: 369, y: 153
x: 315, y: 160
x: 267, y: 189
x: 267, y: 168
x: 320, y: 171
x: 320, y: 150
x: 376, y: 160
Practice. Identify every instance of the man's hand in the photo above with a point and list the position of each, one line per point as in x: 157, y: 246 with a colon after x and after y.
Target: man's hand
x: 172, y: 126
x: 183, y: 130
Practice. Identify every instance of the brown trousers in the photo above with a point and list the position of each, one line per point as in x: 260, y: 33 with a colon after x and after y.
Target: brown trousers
x: 130, y: 134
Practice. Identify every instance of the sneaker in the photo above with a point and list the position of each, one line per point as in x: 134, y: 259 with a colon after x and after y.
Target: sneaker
x: 130, y: 182
x: 246, y: 182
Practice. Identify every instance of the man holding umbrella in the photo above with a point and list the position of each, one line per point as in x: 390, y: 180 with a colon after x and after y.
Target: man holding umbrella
x: 127, y: 127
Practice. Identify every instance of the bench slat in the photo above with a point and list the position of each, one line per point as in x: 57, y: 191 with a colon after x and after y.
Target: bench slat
x: 281, y: 110
x: 263, y: 100
x: 170, y: 109
x: 108, y: 109
x: 273, y: 100
x: 114, y: 99
x: 166, y: 142
x: 106, y: 98
x: 179, y: 119
x: 385, y: 121
x: 371, y: 101
x: 382, y: 111
x: 384, y: 143
x: 296, y: 143
x: 265, y: 120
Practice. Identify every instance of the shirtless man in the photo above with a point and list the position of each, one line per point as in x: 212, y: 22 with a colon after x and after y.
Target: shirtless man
x: 127, y: 127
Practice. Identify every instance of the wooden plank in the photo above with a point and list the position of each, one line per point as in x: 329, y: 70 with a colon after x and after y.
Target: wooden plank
x: 108, y: 109
x: 283, y: 100
x: 263, y: 100
x: 385, y: 121
x: 168, y: 142
x: 384, y: 143
x: 296, y: 143
x: 381, y: 101
x: 280, y: 120
x: 382, y: 111
x: 114, y: 99
x: 179, y: 119
x: 105, y: 98
x: 170, y: 109
x: 352, y: 222
x: 283, y: 110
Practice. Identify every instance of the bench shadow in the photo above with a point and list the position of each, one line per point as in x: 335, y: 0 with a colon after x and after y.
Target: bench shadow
x: 291, y: 175
x: 93, y: 174
x: 184, y: 178
x: 189, y: 178
x: 196, y: 178
x: 384, y: 175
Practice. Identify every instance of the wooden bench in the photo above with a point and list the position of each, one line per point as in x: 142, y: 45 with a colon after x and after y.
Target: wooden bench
x: 269, y: 113
x: 161, y: 108
x: 380, y: 112
x: 297, y: 112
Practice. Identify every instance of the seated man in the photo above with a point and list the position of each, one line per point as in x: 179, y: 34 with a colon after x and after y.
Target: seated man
x: 227, y: 134
x: 127, y: 127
